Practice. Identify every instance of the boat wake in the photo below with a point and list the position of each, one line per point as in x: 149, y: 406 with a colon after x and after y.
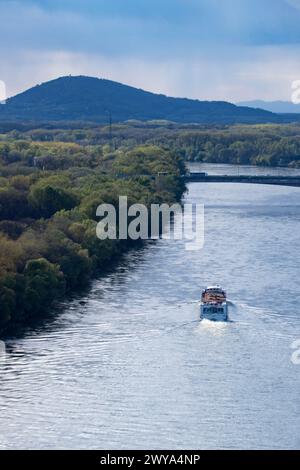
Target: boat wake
x: 215, y: 328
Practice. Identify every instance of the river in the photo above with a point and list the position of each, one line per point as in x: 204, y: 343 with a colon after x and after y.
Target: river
x: 128, y: 365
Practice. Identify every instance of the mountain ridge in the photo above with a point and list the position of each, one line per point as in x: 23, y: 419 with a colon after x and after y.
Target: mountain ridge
x: 81, y: 98
x: 278, y: 106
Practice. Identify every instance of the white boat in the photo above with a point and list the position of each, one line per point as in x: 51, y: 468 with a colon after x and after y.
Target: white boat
x: 214, y: 305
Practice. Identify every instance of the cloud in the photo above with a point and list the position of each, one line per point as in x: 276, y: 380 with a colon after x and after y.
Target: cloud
x: 294, y: 3
x: 266, y: 74
x: 139, y: 27
x: 229, y: 49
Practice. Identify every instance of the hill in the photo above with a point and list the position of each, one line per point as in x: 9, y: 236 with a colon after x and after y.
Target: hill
x: 96, y: 100
x: 273, y: 106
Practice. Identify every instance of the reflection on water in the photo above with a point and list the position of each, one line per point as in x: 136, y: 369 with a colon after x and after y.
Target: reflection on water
x: 129, y: 365
x: 222, y: 169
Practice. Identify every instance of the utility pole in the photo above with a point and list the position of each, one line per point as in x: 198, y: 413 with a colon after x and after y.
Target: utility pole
x: 110, y: 127
x: 110, y: 136
x: 109, y: 124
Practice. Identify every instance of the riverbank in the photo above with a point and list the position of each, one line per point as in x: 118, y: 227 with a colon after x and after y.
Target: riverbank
x: 49, y: 245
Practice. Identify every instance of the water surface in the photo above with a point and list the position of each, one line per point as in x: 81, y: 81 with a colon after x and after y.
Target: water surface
x: 129, y: 365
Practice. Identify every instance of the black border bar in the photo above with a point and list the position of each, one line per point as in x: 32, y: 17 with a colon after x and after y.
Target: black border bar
x: 136, y: 458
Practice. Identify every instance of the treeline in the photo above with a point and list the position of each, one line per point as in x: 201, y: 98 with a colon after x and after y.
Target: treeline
x: 48, y: 243
x: 265, y: 145
x: 16, y: 156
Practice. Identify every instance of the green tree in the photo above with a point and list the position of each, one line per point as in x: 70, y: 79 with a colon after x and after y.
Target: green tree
x: 44, y: 283
x: 47, y: 199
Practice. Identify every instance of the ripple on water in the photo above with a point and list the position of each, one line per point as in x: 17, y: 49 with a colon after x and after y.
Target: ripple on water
x: 129, y: 364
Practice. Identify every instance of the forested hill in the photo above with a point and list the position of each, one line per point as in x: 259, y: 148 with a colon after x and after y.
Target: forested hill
x: 98, y: 100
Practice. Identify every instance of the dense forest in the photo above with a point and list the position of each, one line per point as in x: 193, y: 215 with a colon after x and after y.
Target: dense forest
x: 264, y: 145
x: 94, y: 99
x: 49, y: 193
x: 53, y: 178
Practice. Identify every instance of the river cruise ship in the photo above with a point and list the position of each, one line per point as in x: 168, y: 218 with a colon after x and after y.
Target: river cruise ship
x: 214, y: 305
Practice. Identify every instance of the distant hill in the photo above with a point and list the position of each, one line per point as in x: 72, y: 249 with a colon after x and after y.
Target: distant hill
x: 92, y: 99
x: 273, y: 106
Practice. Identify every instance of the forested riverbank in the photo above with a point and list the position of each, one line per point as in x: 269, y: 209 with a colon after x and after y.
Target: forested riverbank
x: 133, y: 341
x: 53, y: 179
x: 49, y: 193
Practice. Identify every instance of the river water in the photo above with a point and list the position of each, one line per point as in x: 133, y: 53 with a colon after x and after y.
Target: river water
x: 128, y: 365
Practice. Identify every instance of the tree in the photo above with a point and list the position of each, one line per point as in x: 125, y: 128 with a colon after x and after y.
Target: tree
x: 44, y: 283
x: 13, y: 204
x: 7, y: 302
x: 47, y: 199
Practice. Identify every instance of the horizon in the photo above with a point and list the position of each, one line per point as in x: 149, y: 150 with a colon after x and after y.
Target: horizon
x: 239, y: 103
x: 103, y: 78
x: 197, y: 49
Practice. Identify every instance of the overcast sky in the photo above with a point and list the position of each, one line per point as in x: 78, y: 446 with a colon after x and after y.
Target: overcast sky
x: 208, y: 49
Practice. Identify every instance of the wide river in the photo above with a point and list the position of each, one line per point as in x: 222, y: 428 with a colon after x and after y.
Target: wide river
x: 129, y: 365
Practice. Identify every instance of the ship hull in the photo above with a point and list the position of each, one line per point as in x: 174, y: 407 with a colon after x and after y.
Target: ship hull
x: 214, y: 312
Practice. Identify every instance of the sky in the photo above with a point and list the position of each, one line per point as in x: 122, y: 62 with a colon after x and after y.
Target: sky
x: 230, y: 50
